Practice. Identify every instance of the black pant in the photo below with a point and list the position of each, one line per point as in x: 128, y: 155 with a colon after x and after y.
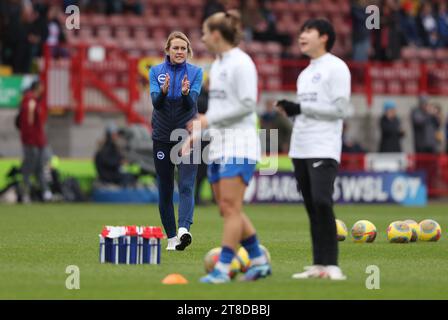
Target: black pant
x: 315, y: 179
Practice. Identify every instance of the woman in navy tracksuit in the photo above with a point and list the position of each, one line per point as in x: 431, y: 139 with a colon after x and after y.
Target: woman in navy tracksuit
x: 175, y: 86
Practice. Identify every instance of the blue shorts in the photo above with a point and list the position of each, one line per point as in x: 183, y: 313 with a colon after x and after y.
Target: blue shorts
x: 230, y: 168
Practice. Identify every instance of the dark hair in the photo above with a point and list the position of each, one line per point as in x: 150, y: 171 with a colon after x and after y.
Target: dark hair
x: 322, y: 26
x: 228, y: 24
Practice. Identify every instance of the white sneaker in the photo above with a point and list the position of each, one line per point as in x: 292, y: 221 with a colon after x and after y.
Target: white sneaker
x: 172, y: 243
x: 315, y: 271
x: 334, y: 273
x: 48, y: 195
x: 185, y: 239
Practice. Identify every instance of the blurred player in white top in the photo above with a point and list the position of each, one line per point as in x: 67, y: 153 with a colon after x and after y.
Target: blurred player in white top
x: 323, y: 101
x: 234, y: 146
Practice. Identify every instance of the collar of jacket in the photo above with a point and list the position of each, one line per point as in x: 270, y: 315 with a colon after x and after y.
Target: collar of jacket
x: 174, y: 65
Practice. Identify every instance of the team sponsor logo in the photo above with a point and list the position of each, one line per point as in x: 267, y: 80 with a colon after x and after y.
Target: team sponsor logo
x: 161, y: 78
x: 160, y: 155
x: 223, y: 75
x: 217, y: 94
x: 316, y: 78
x: 308, y: 96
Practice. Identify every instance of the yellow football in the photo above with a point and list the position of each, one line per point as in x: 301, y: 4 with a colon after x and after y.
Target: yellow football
x: 212, y: 257
x: 430, y: 230
x: 363, y: 231
x: 399, y: 232
x: 341, y: 230
x: 243, y: 257
x: 415, y: 228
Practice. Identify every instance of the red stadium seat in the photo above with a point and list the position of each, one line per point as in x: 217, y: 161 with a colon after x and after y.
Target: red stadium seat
x: 98, y: 20
x: 159, y: 34
x: 394, y: 87
x: 408, y: 53
x: 134, y: 21
x: 140, y: 33
x: 104, y: 32
x: 85, y: 32
x: 122, y: 32
x: 411, y: 87
x: 273, y: 48
x: 116, y: 20
x: 426, y: 54
x: 128, y: 43
x: 153, y: 22
x: 441, y: 55
x: 378, y: 86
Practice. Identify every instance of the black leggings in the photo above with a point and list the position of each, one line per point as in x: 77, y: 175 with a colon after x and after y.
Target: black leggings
x: 315, y: 180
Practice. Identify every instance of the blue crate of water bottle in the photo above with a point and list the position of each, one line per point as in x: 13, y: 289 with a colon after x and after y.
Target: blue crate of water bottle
x: 130, y: 245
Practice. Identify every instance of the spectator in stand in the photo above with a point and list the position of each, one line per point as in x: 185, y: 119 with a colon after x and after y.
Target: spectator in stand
x: 425, y: 125
x: 55, y: 36
x: 133, y: 7
x: 19, y: 35
x: 67, y: 3
x: 211, y: 7
x: 442, y: 23
x: 112, y: 6
x: 348, y: 145
x: 31, y: 123
x: 427, y: 26
x: 438, y: 121
x: 109, y: 160
x: 360, y: 35
x: 408, y: 24
x: 259, y: 22
x: 273, y: 119
x: 391, y: 132
x: 387, y: 40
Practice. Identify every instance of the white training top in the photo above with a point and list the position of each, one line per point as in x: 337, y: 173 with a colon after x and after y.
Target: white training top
x: 231, y: 107
x: 321, y: 87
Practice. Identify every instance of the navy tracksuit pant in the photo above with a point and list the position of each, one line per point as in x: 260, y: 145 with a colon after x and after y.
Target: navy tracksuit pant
x: 165, y: 181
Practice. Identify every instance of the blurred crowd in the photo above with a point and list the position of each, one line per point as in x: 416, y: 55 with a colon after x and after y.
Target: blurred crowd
x: 429, y: 129
x: 25, y: 25
x: 419, y: 23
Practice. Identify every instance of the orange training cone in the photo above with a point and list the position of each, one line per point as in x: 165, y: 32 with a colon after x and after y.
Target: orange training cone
x: 174, y: 278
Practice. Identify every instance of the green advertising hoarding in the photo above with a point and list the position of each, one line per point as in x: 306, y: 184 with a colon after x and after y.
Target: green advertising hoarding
x: 10, y: 91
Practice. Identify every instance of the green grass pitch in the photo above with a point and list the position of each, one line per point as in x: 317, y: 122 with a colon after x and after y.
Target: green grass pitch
x: 38, y: 242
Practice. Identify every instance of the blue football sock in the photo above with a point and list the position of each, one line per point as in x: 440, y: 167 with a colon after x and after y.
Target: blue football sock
x: 225, y: 259
x: 252, y: 247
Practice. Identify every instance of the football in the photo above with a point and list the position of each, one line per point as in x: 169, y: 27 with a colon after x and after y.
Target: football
x: 243, y: 258
x: 399, y: 232
x: 430, y: 230
x: 415, y: 228
x: 212, y: 257
x: 341, y: 230
x: 363, y: 231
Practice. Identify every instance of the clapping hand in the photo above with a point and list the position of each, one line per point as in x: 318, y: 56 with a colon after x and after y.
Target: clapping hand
x: 185, y: 86
x: 166, y: 84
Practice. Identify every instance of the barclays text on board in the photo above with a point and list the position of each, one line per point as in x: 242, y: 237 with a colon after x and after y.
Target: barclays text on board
x: 350, y: 187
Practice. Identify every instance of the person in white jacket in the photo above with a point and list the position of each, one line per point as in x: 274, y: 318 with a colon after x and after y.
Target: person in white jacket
x: 323, y: 101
